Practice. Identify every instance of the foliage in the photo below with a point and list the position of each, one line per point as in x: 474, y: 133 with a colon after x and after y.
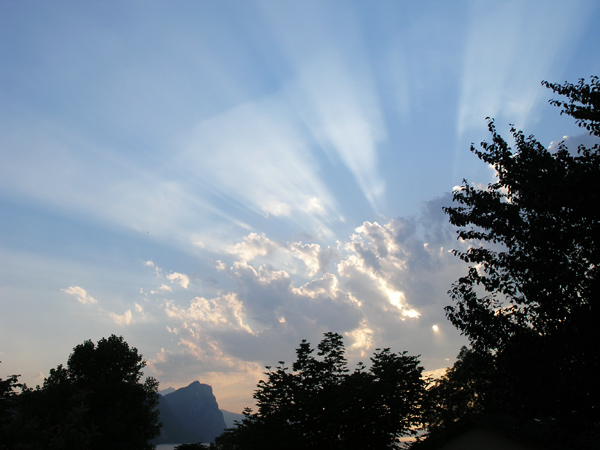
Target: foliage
x: 465, y: 389
x: 319, y: 404
x: 96, y: 402
x: 530, y: 296
x: 8, y: 398
x: 582, y: 102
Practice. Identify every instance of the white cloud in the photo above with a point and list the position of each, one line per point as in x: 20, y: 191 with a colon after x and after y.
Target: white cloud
x: 123, y: 319
x: 80, y: 294
x: 573, y: 142
x: 309, y: 254
x: 264, y: 275
x: 436, y: 373
x: 179, y: 278
x: 222, y: 311
x: 327, y: 286
x: 314, y: 205
x: 253, y: 245
x: 276, y: 207
x: 362, y: 338
x: 157, y: 270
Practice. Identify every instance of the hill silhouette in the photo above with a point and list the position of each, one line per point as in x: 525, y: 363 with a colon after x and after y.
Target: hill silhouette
x: 190, y: 414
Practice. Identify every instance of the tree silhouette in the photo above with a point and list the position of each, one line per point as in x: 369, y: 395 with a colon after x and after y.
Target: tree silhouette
x: 530, y: 297
x: 319, y: 404
x: 97, y: 402
x: 8, y: 409
x: 465, y: 389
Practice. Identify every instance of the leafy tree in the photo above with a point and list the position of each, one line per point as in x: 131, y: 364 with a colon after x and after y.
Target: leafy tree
x: 391, y: 402
x: 582, y: 102
x: 8, y: 409
x: 465, y: 389
x: 530, y: 296
x: 319, y: 404
x: 97, y: 402
x: 196, y: 446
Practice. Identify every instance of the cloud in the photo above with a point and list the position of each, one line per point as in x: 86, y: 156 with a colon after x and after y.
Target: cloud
x: 225, y: 311
x: 80, y: 294
x: 383, y: 286
x: 362, y: 338
x: 123, y: 319
x: 572, y: 143
x: 327, y: 286
x: 179, y: 278
x: 315, y: 257
x: 120, y: 319
x: 157, y: 270
x: 276, y: 207
x: 253, y: 245
x: 437, y: 373
x: 314, y: 205
x: 376, y: 259
x: 380, y: 287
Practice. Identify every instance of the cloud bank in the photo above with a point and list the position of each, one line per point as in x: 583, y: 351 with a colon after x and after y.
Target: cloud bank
x: 383, y: 286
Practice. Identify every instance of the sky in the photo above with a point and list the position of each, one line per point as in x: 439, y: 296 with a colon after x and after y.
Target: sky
x: 217, y: 180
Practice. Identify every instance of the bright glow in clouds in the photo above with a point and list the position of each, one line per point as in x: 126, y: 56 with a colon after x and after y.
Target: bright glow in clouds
x: 255, y: 175
x: 362, y: 337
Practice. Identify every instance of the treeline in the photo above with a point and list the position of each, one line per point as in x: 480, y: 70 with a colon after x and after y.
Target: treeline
x: 528, y: 304
x: 318, y: 403
x: 97, y: 402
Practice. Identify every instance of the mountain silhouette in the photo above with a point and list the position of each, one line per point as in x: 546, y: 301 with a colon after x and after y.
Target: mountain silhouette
x: 190, y: 414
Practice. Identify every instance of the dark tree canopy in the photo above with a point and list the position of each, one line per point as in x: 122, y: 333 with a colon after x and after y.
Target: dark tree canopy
x: 531, y: 294
x: 582, y: 102
x: 539, y: 226
x: 8, y: 408
x: 96, y: 402
x: 463, y: 390
x: 320, y: 404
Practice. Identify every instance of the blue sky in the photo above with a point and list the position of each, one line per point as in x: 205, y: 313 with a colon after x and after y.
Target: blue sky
x: 216, y: 181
